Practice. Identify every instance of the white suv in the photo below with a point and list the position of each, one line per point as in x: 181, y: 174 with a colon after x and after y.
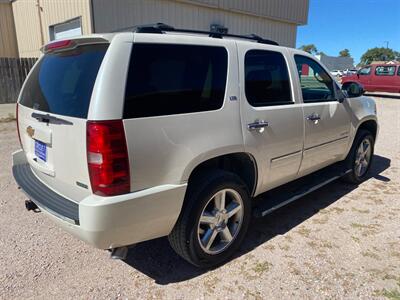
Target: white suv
x: 131, y: 136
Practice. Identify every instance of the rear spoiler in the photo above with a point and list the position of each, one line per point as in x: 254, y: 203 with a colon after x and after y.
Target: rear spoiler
x: 64, y: 45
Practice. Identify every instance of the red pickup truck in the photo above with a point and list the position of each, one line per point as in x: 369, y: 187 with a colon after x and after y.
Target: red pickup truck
x: 377, y: 78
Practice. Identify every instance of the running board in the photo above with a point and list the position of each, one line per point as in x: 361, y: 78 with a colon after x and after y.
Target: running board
x: 274, y: 199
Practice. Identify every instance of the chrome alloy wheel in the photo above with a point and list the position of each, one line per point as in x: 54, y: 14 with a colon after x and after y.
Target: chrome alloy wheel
x: 363, y: 157
x: 220, y: 221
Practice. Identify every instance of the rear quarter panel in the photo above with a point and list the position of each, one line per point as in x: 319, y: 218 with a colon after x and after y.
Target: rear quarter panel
x: 108, y: 95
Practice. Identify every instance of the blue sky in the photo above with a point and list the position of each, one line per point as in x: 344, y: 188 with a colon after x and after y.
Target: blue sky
x: 353, y: 24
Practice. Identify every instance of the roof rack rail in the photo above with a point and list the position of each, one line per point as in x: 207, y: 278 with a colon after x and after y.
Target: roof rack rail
x: 162, y: 28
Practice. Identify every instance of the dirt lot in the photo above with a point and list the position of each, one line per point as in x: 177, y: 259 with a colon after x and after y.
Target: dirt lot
x: 339, y: 242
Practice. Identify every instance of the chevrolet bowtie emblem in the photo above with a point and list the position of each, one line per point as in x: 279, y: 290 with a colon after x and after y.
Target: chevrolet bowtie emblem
x: 30, y: 131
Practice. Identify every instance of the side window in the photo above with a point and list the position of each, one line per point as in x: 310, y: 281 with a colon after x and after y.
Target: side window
x: 266, y: 78
x: 316, y: 84
x: 365, y: 71
x: 398, y: 71
x: 174, y: 79
x: 385, y: 70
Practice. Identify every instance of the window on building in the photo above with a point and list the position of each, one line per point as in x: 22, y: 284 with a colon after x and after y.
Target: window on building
x: 385, y: 70
x: 316, y: 84
x: 266, y: 78
x: 175, y: 79
x: 67, y: 29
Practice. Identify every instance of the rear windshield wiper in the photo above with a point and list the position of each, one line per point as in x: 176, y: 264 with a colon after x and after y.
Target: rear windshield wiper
x: 46, y: 118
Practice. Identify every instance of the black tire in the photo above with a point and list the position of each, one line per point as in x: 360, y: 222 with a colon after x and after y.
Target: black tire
x: 350, y: 161
x: 184, y: 236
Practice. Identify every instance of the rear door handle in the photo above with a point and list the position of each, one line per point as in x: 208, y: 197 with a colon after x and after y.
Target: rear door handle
x: 257, y: 125
x: 313, y: 117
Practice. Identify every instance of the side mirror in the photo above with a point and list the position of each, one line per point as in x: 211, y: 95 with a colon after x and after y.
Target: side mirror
x: 342, y: 95
x: 353, y: 89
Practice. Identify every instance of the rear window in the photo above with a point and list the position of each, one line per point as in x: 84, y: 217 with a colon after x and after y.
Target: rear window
x: 62, y: 82
x: 174, y: 79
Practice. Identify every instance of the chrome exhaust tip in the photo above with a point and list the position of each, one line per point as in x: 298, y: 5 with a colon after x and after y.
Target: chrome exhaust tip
x: 119, y: 253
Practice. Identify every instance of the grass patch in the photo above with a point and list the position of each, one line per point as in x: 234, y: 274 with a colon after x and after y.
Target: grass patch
x: 284, y: 247
x: 358, y: 226
x: 304, y: 232
x: 328, y: 245
x: 369, y: 229
x: 260, y: 268
x: 392, y: 295
x: 312, y: 244
x: 338, y: 210
x: 321, y: 221
x: 288, y: 238
x: 395, y: 254
x: 269, y: 247
x: 361, y: 211
x: 389, y: 277
x: 370, y: 254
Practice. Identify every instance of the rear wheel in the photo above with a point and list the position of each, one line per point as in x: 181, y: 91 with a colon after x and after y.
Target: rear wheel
x: 360, y: 157
x: 214, y: 219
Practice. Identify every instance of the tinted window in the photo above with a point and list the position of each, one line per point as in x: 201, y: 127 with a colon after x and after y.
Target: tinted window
x: 398, y: 71
x: 316, y: 84
x: 365, y: 71
x: 266, y: 78
x: 385, y: 70
x: 62, y: 83
x: 174, y: 79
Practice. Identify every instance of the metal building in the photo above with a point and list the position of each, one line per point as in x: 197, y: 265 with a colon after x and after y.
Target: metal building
x: 336, y: 62
x: 8, y: 39
x: 39, y: 21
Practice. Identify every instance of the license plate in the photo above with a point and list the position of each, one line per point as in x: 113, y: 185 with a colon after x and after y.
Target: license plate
x: 41, y: 150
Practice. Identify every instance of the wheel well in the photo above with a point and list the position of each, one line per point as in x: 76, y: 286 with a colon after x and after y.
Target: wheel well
x: 371, y: 126
x: 242, y: 164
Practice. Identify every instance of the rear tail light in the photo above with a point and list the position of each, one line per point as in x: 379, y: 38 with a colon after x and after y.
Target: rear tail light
x: 107, y: 156
x: 16, y: 116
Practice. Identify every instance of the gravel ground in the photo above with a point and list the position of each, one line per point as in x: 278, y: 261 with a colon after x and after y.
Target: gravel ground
x: 7, y: 112
x: 339, y: 242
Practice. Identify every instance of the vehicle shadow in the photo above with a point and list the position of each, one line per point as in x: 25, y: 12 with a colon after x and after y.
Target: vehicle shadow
x: 157, y: 260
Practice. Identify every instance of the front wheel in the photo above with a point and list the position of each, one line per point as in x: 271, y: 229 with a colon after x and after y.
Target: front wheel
x: 214, y: 219
x: 360, y: 157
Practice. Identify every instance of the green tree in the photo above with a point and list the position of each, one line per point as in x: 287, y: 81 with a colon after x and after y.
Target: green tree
x: 344, y: 53
x: 322, y: 53
x: 378, y: 54
x: 311, y: 48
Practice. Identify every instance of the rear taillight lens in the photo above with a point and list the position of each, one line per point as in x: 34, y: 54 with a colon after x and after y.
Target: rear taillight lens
x: 16, y: 116
x: 59, y: 45
x: 107, y: 156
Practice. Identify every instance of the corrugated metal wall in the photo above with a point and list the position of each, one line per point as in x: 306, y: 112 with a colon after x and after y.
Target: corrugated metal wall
x: 273, y: 19
x: 8, y: 39
x: 111, y: 15
x: 293, y: 11
x: 52, y: 12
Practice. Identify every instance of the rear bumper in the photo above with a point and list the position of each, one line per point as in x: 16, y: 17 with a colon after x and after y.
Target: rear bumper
x: 105, y: 222
x: 44, y: 197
